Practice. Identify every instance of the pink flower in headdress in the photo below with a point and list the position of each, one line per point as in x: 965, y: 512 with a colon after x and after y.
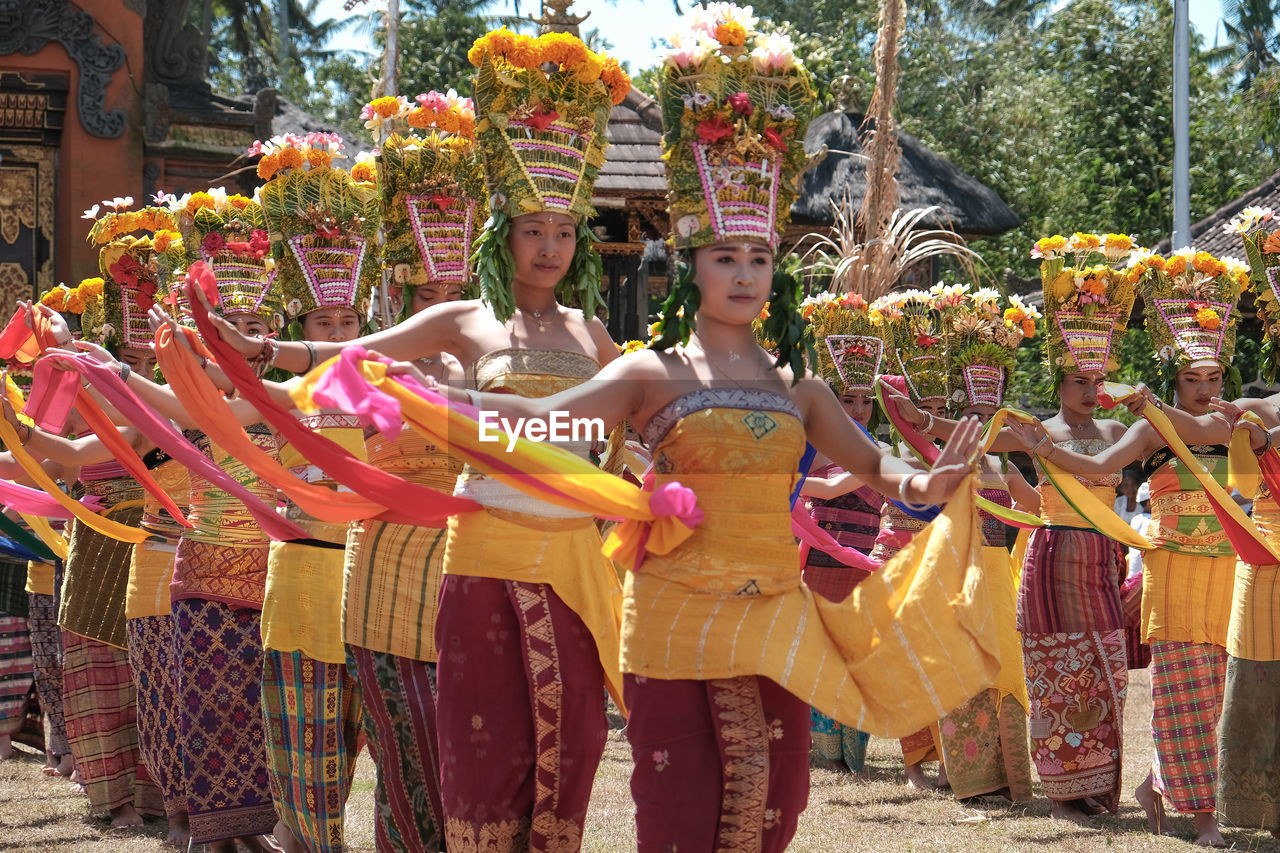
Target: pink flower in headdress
x: 741, y: 103
x: 259, y: 243
x: 926, y: 340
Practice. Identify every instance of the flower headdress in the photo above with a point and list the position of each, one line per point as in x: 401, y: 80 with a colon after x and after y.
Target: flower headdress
x: 1260, y: 229
x: 1087, y: 302
x: 848, y: 345
x: 1191, y: 311
x: 135, y: 270
x: 542, y: 137
x: 322, y: 223
x: 981, y: 338
x: 229, y: 233
x: 911, y: 326
x: 735, y: 107
x: 432, y: 186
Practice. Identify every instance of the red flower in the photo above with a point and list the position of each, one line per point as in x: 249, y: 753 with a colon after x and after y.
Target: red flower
x: 213, y: 242
x: 741, y: 104
x: 329, y: 232
x: 923, y: 340
x: 777, y: 141
x: 542, y: 118
x: 146, y: 295
x: 442, y: 201
x: 712, y: 130
x: 259, y: 243
x: 238, y: 248
x: 126, y: 271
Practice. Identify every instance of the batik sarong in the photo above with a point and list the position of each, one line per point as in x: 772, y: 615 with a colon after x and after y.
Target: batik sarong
x: 102, y: 725
x: 984, y: 747
x: 17, y: 677
x: 923, y: 745
x: 96, y: 581
x: 1249, y: 746
x: 155, y: 678
x: 312, y: 713
x: 519, y: 774
x: 719, y: 765
x: 400, y: 721
x: 833, y: 741
x: 1076, y: 684
x: 46, y: 655
x: 224, y: 757
x: 1187, y: 683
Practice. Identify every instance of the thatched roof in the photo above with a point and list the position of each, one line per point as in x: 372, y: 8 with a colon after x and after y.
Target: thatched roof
x: 633, y: 164
x: 1207, y: 234
x: 925, y: 178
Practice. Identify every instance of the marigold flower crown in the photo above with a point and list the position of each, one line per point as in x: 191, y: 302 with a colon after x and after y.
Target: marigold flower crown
x: 911, y: 326
x: 848, y: 345
x: 1088, y: 296
x: 736, y: 103
x: 322, y: 224
x: 980, y: 339
x: 432, y: 187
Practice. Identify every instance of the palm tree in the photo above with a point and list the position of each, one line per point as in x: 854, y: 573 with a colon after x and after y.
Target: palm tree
x: 1254, y: 38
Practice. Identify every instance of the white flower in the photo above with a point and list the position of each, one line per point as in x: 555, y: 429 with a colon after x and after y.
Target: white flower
x: 712, y: 15
x: 986, y: 297
x: 1248, y: 219
x: 91, y: 213
x: 367, y: 156
x: 1166, y: 353
x: 294, y: 306
x: 688, y: 49
x: 689, y: 225
x: 782, y: 112
x: 219, y: 198
x: 774, y: 52
x: 120, y: 203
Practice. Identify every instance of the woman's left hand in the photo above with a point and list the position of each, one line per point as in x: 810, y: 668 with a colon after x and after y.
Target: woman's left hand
x: 954, y: 464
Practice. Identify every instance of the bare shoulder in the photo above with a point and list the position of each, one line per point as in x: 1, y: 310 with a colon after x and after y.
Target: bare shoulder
x: 1112, y: 430
x: 606, y: 349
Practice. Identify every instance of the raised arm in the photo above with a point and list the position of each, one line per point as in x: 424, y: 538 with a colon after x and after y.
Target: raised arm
x: 430, y: 331
x: 826, y: 488
x: 1134, y: 444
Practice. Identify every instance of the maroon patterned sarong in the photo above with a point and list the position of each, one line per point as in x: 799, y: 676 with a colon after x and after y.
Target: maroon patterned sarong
x: 155, y: 678
x: 520, y: 714
x: 719, y: 765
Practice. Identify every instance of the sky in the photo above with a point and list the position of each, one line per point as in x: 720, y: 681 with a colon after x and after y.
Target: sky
x: 632, y: 26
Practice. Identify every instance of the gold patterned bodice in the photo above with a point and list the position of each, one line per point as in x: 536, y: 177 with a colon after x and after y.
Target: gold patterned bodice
x: 1054, y: 508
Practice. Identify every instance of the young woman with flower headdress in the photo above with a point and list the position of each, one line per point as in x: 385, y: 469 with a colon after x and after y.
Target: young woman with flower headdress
x: 1248, y: 792
x: 723, y: 647
x: 984, y: 741
x: 519, y: 745
x: 849, y: 355
x: 432, y: 190
x: 1191, y: 315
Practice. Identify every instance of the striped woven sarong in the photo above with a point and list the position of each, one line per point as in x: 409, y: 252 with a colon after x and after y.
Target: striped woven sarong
x: 1249, y: 746
x: 313, y: 716
x: 155, y: 678
x: 46, y: 655
x: 1187, y: 682
x: 102, y: 725
x: 400, y: 722
x: 17, y: 678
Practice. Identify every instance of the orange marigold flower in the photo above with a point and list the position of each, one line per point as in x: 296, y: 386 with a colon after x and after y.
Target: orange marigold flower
x: 92, y: 286
x: 1156, y: 262
x: 1207, y: 318
x: 1207, y: 264
x: 318, y: 158
x: 55, y: 299
x: 268, y: 166
x: 1176, y: 265
x: 731, y: 34
x: 1028, y: 327
x: 239, y: 202
x: 1095, y: 286
x: 364, y: 172
x: 1014, y: 316
x: 1271, y: 245
x: 386, y: 107
x: 164, y: 239
x: 199, y: 201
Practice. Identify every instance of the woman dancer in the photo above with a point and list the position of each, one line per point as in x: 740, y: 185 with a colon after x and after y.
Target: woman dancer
x: 527, y: 629
x: 719, y: 714
x: 46, y: 656
x: 849, y: 356
x: 390, y: 600
x: 1188, y: 579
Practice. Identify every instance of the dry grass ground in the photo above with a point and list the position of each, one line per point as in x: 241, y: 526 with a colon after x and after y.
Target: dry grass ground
x: 874, y: 813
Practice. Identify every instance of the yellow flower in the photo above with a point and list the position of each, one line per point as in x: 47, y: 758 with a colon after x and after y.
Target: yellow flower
x: 731, y: 34
x: 364, y: 172
x: 1207, y: 318
x: 56, y: 298
x: 200, y: 201
x: 386, y: 107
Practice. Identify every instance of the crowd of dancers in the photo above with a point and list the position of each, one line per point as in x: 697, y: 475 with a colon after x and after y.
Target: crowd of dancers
x: 260, y: 573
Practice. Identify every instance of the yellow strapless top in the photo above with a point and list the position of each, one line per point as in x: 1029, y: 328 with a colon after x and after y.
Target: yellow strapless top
x: 1054, y: 509
x: 741, y: 459
x: 411, y: 457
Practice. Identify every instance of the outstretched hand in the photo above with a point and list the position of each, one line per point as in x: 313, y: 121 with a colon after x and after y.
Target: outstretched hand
x: 909, y: 410
x: 57, y: 323
x: 1028, y: 435
x: 954, y: 463
x: 247, y: 346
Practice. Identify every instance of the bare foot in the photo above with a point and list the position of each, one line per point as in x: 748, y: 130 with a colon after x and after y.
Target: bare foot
x: 1207, y: 834
x: 260, y: 844
x: 124, y: 816
x: 1070, y: 811
x: 67, y: 765
x: 179, y: 831
x: 1153, y: 804
x: 1091, y: 806
x: 288, y: 841
x: 916, y: 778
x: 50, y: 764
x: 6, y: 747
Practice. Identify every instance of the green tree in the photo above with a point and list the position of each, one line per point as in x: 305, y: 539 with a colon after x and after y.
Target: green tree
x: 1253, y: 38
